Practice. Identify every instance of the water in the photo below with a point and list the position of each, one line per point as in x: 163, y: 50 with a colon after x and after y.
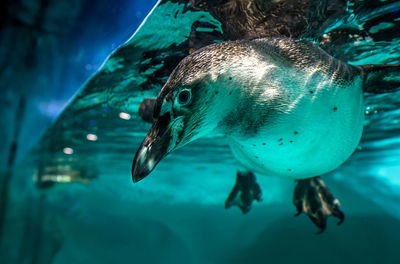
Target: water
x: 73, y: 200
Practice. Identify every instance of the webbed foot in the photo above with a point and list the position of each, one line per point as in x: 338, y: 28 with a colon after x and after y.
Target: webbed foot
x: 246, y: 190
x: 312, y: 197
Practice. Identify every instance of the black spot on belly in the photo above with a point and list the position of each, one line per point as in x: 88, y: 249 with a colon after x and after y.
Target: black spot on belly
x: 256, y: 157
x: 295, y: 132
x: 264, y: 143
x: 254, y: 145
x: 280, y: 139
x: 289, y: 169
x: 216, y: 92
x: 230, y: 93
x: 230, y: 78
x: 281, y: 144
x: 335, y: 109
x: 311, y: 92
x: 291, y: 141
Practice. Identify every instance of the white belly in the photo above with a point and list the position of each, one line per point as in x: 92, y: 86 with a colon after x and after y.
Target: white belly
x: 316, y: 135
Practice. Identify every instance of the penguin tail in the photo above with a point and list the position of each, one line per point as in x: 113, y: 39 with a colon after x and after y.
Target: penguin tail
x: 381, y: 78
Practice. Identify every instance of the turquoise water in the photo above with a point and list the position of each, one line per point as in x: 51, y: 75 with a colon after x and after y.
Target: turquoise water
x: 73, y: 201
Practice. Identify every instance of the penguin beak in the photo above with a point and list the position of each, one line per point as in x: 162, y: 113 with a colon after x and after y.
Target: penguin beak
x: 157, y: 144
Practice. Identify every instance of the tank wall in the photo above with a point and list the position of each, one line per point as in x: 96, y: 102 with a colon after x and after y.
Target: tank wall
x: 48, y: 48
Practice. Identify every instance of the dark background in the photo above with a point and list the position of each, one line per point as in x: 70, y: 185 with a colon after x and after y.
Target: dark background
x: 48, y: 49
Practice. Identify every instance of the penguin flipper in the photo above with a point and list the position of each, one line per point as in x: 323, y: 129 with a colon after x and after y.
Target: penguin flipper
x: 246, y: 190
x: 312, y: 197
x: 146, y: 108
x: 381, y: 78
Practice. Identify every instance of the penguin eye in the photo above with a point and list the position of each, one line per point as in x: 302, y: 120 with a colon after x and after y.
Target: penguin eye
x: 184, y: 97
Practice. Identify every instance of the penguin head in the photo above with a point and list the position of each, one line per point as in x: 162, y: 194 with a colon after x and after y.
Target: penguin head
x: 186, y: 108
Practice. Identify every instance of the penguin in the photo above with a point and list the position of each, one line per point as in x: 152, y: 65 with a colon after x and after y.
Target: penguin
x: 286, y: 107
